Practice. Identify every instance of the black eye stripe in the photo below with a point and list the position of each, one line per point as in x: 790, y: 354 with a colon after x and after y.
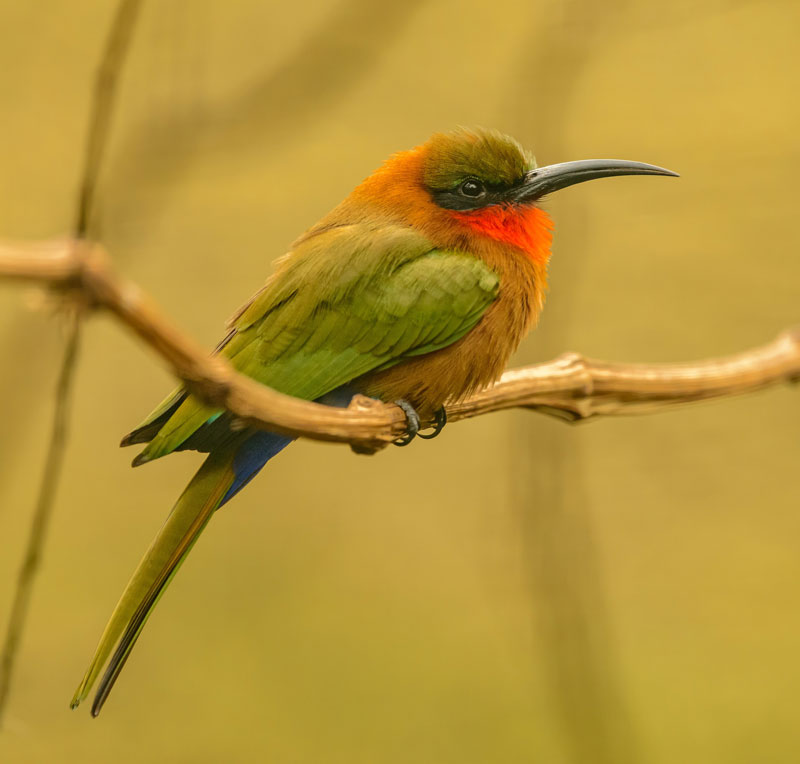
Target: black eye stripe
x: 487, y: 194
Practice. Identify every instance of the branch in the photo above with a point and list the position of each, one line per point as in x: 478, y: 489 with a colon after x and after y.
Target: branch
x: 570, y: 387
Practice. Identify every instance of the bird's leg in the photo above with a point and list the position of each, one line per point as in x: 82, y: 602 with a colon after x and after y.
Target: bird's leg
x: 412, y: 421
x: 439, y: 423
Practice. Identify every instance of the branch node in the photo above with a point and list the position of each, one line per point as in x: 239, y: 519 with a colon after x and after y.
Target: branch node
x: 363, y: 404
x: 212, y: 382
x: 578, y: 368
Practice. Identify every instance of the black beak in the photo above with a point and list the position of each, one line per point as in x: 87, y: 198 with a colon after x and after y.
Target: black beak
x: 545, y: 180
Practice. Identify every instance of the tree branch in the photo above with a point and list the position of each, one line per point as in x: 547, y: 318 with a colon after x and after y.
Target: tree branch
x: 570, y: 387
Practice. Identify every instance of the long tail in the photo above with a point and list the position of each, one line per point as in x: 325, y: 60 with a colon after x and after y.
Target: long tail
x: 222, y: 475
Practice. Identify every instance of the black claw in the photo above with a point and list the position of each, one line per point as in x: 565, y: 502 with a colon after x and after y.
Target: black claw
x: 412, y: 422
x: 439, y: 423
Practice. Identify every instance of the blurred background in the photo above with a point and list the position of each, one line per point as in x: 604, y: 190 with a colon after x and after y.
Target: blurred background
x: 518, y: 590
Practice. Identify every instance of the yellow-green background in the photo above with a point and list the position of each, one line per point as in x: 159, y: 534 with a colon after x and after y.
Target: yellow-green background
x: 518, y: 590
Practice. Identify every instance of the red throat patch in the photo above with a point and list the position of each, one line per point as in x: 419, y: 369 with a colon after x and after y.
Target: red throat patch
x: 527, y: 228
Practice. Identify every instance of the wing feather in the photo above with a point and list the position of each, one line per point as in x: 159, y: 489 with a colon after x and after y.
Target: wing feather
x: 348, y: 301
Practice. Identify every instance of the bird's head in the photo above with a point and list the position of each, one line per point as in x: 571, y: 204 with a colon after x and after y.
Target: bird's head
x: 480, y: 183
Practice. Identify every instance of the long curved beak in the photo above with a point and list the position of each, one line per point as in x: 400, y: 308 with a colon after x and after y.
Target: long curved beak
x: 545, y: 180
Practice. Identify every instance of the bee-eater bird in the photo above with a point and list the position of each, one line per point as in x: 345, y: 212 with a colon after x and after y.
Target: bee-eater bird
x: 415, y: 289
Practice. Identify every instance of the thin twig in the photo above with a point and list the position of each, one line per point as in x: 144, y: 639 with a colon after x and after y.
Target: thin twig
x: 105, y: 94
x: 102, y: 108
x: 43, y: 512
x: 570, y: 387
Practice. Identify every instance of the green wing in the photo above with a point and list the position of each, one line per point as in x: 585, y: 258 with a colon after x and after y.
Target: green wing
x: 350, y: 300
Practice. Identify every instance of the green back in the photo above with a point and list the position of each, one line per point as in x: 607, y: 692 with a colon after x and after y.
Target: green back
x: 349, y: 300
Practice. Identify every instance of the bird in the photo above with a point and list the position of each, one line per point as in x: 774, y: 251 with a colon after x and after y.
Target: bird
x: 415, y: 289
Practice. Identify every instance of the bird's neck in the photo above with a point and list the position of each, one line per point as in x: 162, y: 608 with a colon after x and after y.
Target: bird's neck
x: 526, y: 228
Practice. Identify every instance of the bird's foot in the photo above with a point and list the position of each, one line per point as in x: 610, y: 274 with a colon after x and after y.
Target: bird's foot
x: 439, y: 422
x: 412, y: 422
x: 412, y: 419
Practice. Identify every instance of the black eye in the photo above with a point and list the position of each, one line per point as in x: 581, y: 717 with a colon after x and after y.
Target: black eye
x: 473, y: 188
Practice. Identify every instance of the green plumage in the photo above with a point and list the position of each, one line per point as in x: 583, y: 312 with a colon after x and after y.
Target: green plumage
x: 346, y: 301
x: 161, y: 561
x: 350, y: 300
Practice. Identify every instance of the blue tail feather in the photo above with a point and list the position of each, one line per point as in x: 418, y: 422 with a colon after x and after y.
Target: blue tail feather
x: 261, y: 446
x: 251, y: 456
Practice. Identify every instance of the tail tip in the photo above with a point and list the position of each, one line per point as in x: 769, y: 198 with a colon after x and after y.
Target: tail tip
x: 140, y: 459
